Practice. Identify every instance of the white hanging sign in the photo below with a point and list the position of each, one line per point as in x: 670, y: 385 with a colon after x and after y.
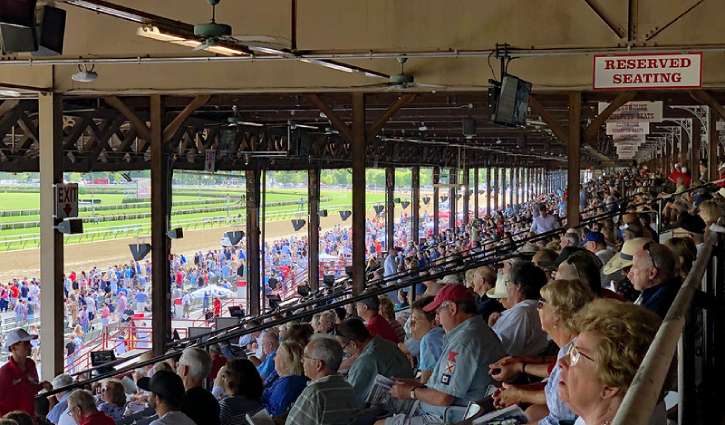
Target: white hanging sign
x: 627, y: 127
x: 647, y: 71
x: 634, y: 111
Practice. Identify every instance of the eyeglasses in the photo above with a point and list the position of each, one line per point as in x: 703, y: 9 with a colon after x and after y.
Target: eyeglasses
x: 575, y: 355
x: 540, y: 303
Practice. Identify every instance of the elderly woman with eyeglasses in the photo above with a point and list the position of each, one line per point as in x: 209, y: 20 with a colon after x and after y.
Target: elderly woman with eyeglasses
x: 113, y: 398
x: 560, y: 301
x: 613, y: 338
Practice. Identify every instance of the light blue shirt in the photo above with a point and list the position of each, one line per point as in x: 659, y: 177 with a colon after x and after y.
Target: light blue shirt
x: 558, y: 410
x: 520, y: 330
x: 462, y: 369
x: 431, y: 347
x: 54, y: 414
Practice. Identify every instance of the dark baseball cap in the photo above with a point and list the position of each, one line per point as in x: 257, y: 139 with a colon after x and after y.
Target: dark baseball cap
x: 165, y: 384
x: 594, y: 236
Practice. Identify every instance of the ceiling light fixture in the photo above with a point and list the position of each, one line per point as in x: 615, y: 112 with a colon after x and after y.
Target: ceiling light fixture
x: 155, y: 33
x: 85, y: 74
x: 327, y: 64
x: 9, y: 93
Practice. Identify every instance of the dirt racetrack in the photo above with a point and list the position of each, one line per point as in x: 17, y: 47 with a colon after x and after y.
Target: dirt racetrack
x: 18, y: 264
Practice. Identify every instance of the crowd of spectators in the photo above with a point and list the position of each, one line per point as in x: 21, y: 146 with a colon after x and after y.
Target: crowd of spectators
x: 558, y: 328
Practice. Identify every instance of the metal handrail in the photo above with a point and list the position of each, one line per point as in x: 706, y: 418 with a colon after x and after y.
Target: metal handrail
x: 643, y: 394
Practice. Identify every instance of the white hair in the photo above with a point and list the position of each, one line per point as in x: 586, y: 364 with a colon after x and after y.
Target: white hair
x: 83, y: 399
x: 327, y: 350
x: 198, y: 361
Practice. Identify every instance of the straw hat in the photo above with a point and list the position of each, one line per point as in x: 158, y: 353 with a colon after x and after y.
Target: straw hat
x: 624, y: 257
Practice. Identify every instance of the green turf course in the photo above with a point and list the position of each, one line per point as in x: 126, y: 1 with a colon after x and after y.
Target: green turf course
x: 333, y: 200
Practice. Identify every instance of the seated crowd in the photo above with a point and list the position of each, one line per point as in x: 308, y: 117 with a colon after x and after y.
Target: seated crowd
x: 559, y: 328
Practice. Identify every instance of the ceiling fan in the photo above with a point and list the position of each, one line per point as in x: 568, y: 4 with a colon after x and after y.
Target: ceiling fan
x: 235, y: 121
x: 404, y: 80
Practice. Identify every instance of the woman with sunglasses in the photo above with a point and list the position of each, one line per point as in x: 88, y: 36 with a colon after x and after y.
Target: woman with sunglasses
x: 560, y: 301
x: 612, y: 339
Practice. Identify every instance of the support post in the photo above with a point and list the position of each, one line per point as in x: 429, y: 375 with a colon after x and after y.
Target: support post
x: 452, y: 201
x: 695, y: 150
x: 160, y: 244
x: 476, y: 178
x: 415, y: 204
x: 496, y: 187
x: 573, y: 159
x: 50, y: 116
x: 390, y: 208
x: 313, y: 228
x: 436, y: 201
x: 489, y: 170
x: 358, y: 192
x: 712, y: 146
x: 254, y: 291
x: 466, y: 195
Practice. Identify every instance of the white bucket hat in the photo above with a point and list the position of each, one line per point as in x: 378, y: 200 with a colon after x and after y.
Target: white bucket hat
x: 18, y: 335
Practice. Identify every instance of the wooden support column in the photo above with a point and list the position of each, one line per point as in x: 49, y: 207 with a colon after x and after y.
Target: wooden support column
x: 52, y: 347
x: 390, y: 208
x: 476, y: 178
x: 573, y: 159
x: 489, y: 170
x: 436, y: 201
x: 358, y: 192
x: 496, y: 187
x: 712, y: 146
x: 313, y: 228
x: 452, y: 201
x: 415, y: 204
x: 160, y: 244
x: 254, y: 291
x: 466, y: 195
x: 695, y: 149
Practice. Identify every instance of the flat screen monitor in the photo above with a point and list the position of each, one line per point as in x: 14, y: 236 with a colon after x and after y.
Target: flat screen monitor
x: 513, y: 102
x: 199, y: 331
x: 226, y: 322
x: 18, y: 12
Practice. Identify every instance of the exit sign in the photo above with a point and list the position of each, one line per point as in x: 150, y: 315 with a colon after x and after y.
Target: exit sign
x: 66, y: 200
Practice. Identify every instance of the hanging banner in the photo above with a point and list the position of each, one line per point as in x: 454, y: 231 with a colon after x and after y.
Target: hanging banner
x: 647, y: 71
x: 629, y: 139
x: 634, y: 111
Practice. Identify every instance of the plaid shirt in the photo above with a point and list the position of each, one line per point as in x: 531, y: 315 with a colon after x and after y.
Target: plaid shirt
x: 326, y: 401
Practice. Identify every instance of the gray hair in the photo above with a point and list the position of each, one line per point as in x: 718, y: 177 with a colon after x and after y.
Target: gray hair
x: 327, y: 350
x: 83, y: 399
x: 198, y: 361
x: 572, y: 237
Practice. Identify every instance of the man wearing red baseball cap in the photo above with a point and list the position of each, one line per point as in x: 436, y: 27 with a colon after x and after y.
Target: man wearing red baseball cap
x: 461, y: 374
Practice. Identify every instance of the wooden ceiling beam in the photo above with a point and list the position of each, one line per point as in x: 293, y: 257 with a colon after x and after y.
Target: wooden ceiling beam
x: 591, y: 132
x: 538, y: 109
x: 141, y: 128
x: 338, y: 123
x: 389, y: 113
x: 179, y: 120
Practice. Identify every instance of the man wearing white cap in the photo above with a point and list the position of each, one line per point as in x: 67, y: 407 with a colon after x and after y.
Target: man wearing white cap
x: 59, y: 381
x: 19, y: 382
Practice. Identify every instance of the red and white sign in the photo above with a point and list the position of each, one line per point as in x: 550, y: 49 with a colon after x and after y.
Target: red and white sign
x: 647, y: 71
x: 66, y: 200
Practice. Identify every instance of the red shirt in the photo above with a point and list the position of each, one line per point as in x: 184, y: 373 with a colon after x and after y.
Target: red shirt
x: 18, y: 388
x: 98, y: 418
x: 378, y: 326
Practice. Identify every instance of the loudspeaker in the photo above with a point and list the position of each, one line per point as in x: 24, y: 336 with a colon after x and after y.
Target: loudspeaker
x: 405, y: 204
x: 426, y: 200
x: 322, y: 213
x: 444, y: 198
x: 71, y: 226
x: 378, y: 209
x: 345, y: 214
x: 177, y: 233
x: 14, y: 39
x: 469, y: 127
x: 234, y: 237
x: 51, y: 32
x: 139, y: 251
x: 396, y: 200
x: 298, y: 223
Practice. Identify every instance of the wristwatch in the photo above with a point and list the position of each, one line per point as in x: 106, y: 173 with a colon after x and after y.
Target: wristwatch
x: 412, y: 394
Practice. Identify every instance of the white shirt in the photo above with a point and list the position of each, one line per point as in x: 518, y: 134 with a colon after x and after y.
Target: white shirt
x: 519, y: 330
x: 542, y: 224
x: 174, y: 417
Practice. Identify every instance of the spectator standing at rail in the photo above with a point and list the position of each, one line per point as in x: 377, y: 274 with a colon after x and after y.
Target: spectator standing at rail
x: 544, y: 222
